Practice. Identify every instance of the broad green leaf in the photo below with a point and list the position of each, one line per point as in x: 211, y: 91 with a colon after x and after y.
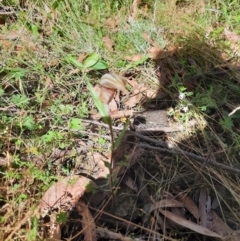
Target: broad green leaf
x: 100, y: 65
x: 182, y: 88
x: 70, y: 59
x: 91, y: 60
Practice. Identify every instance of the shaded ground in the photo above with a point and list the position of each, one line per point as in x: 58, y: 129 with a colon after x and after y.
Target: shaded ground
x: 175, y: 172
x: 155, y: 176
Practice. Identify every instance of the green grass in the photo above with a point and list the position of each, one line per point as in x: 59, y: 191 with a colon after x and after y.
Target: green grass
x: 42, y: 102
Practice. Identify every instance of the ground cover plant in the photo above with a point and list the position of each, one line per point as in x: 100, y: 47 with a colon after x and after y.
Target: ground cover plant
x: 164, y: 165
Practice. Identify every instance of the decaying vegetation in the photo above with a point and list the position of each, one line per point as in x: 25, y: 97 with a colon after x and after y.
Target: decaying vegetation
x: 169, y: 170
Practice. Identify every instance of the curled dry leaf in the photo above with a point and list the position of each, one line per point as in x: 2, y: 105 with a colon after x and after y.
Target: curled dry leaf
x: 162, y: 204
x: 99, y: 160
x: 106, y: 95
x: 113, y: 105
x: 134, y: 8
x: 133, y: 101
x: 87, y: 221
x: 108, y: 42
x: 188, y: 224
x: 68, y: 189
x: 189, y: 205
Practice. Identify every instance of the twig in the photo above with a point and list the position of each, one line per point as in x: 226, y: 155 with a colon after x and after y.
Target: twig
x: 167, y: 129
x: 236, y: 109
x: 149, y: 139
x: 109, y: 235
x: 200, y: 159
x: 6, y: 13
x: 132, y: 224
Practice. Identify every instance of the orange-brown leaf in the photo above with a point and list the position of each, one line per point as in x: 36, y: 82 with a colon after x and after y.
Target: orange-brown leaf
x: 87, y: 221
x: 188, y: 224
x: 68, y: 189
x: 108, y: 42
x: 134, y: 58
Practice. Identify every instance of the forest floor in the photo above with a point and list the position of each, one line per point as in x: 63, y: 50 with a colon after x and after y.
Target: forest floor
x: 165, y: 166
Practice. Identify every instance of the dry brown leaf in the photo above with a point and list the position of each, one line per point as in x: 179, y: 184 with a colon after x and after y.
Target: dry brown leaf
x: 10, y: 36
x: 133, y: 83
x: 87, y: 221
x: 82, y: 56
x: 147, y: 38
x: 163, y: 204
x: 189, y: 205
x: 134, y: 58
x: 117, y: 97
x: 57, y: 233
x: 133, y: 100
x: 99, y: 159
x: 188, y: 224
x: 134, y: 8
x: 68, y: 189
x: 219, y: 226
x: 6, y: 44
x: 156, y: 53
x: 204, y: 208
x: 151, y: 93
x: 113, y: 105
x: 233, y: 38
x: 150, y: 41
x: 46, y: 8
x: 141, y: 88
x: 108, y: 42
x: 112, y: 23
x: 74, y: 71
x: 129, y: 182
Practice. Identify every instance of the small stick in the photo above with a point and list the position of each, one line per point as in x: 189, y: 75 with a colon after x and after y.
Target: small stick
x: 236, y: 109
x: 178, y: 151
